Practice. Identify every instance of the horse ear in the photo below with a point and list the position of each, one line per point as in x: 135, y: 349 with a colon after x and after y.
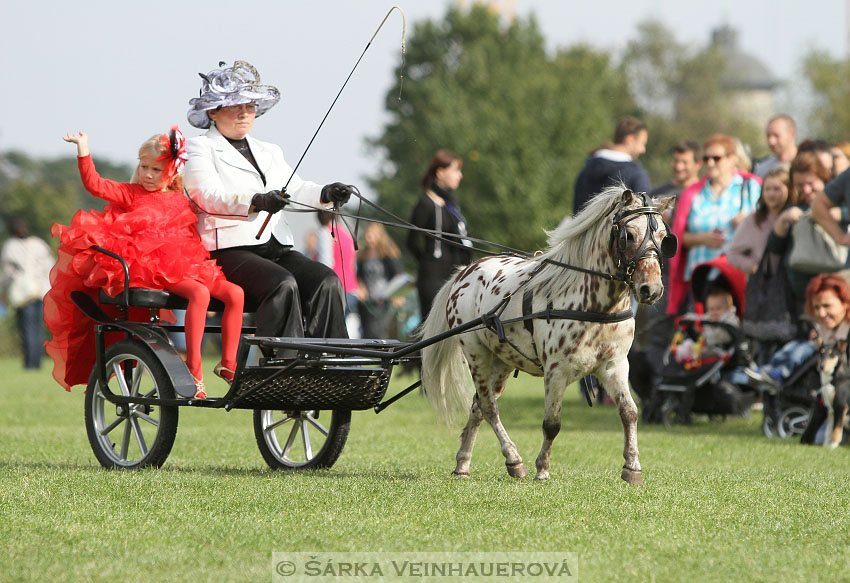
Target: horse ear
x: 663, y: 203
x: 628, y: 196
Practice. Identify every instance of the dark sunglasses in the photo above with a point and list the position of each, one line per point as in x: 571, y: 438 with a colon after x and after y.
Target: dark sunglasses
x: 716, y: 159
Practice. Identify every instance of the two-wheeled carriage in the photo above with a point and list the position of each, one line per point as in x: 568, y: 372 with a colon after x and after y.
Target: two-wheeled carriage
x: 302, y: 403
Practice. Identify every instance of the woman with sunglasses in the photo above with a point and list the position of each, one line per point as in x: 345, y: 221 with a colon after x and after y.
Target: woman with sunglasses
x: 708, y: 212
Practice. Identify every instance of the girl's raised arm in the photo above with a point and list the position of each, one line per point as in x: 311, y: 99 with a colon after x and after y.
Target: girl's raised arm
x: 82, y: 141
x: 117, y: 192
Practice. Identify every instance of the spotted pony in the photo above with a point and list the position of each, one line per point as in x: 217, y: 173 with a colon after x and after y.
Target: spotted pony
x: 577, y: 294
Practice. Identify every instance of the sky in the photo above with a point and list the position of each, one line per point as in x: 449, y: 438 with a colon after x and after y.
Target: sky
x: 123, y: 71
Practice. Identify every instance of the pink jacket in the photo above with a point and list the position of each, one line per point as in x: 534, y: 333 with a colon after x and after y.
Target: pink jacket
x: 345, y: 258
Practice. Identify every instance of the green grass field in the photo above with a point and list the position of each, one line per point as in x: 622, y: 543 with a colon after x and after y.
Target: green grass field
x: 719, y: 501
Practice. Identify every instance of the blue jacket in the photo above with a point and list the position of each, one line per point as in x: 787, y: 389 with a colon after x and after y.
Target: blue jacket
x: 600, y: 172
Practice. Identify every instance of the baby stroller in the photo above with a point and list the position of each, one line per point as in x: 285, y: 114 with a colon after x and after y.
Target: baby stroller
x: 696, y: 377
x: 788, y: 407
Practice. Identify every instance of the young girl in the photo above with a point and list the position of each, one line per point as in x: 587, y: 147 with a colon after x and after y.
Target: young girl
x: 150, y: 224
x: 378, y: 262
x: 750, y: 237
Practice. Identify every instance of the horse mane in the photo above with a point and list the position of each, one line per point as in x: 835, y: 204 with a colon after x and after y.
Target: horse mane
x: 576, y: 241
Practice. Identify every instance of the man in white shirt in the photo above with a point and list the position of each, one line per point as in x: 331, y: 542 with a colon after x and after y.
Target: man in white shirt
x: 25, y: 263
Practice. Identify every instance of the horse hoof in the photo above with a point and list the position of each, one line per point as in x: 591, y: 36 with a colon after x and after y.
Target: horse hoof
x: 632, y: 476
x: 542, y: 476
x: 460, y: 475
x: 517, y: 470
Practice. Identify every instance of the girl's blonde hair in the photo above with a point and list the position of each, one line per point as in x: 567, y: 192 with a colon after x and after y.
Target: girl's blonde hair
x: 156, y: 149
x: 383, y: 247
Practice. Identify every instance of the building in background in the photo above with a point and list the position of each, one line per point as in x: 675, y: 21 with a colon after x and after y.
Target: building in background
x: 751, y: 85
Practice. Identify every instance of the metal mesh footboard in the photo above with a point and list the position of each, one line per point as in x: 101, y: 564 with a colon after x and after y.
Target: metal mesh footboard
x: 300, y: 388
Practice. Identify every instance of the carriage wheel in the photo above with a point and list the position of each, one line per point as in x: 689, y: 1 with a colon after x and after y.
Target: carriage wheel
x: 793, y: 421
x: 131, y: 436
x: 301, y: 439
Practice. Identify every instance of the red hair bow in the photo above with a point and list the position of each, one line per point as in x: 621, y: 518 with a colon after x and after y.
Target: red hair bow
x: 175, y: 149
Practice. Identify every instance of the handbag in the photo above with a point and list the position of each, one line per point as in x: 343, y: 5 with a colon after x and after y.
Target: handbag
x: 769, y: 315
x: 814, y: 251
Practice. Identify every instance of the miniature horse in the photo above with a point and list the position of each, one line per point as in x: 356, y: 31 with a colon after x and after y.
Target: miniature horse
x: 835, y: 388
x: 562, y: 315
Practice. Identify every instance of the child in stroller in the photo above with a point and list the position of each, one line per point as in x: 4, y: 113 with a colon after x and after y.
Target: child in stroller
x: 703, y: 369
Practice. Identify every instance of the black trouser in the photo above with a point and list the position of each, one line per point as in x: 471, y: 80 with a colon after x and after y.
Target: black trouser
x: 284, y: 287
x: 30, y: 318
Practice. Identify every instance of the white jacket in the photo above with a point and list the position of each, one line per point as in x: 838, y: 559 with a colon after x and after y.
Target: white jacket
x: 25, y: 265
x: 221, y: 182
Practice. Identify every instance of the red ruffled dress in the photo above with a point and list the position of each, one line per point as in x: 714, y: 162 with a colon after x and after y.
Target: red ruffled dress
x: 155, y: 233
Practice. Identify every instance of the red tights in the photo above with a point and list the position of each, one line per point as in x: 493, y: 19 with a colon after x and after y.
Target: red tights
x: 198, y: 296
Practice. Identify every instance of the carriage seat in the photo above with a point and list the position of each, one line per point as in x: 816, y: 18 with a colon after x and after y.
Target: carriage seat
x: 156, y: 298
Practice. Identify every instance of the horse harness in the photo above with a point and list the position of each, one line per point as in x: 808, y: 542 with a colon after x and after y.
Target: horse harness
x: 649, y: 247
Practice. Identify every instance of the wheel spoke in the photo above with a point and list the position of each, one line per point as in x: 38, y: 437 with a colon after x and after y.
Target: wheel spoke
x: 148, y: 418
x: 305, y: 438
x: 271, y: 427
x: 315, y: 423
x: 120, y: 379
x: 290, y: 440
x: 140, y: 439
x: 111, y: 426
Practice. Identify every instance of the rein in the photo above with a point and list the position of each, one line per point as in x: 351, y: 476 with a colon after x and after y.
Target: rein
x: 610, y: 277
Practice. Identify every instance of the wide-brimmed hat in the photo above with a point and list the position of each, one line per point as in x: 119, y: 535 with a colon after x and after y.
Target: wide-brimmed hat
x: 230, y: 86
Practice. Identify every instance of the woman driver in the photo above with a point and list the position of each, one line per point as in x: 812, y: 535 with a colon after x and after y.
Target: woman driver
x: 234, y: 181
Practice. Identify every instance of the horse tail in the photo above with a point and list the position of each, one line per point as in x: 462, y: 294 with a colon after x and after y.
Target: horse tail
x: 446, y: 379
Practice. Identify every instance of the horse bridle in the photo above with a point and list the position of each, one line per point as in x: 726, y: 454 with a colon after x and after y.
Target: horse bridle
x: 650, y: 247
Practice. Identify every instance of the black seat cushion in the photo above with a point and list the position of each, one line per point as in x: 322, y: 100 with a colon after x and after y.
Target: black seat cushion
x: 155, y: 298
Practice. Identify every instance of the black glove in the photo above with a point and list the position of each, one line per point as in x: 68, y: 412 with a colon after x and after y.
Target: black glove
x: 337, y: 193
x: 271, y: 201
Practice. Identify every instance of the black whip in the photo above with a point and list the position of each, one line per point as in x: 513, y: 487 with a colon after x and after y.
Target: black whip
x: 403, y: 32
